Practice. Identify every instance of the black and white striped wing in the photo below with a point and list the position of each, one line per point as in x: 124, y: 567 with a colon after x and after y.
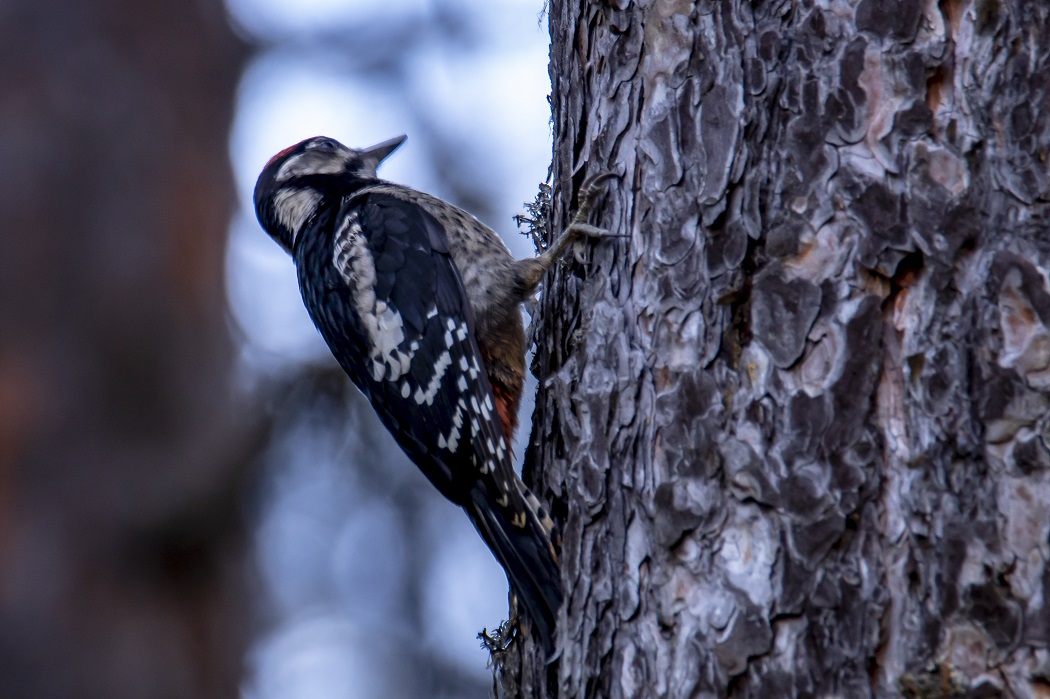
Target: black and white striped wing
x: 422, y: 369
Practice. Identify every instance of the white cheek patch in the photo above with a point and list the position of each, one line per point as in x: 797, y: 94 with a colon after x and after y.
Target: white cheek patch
x: 383, y: 323
x: 294, y: 207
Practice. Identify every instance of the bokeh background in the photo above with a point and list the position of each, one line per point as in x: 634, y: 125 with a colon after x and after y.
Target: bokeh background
x: 193, y: 500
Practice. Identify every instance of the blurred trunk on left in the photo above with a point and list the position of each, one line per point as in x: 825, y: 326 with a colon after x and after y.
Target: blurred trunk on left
x: 120, y: 455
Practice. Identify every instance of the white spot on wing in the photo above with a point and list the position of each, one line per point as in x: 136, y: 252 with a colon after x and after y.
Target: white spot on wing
x: 457, y: 422
x: 383, y: 323
x: 442, y: 365
x: 453, y: 439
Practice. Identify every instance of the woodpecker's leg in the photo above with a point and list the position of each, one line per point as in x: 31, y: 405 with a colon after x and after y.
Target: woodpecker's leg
x: 532, y: 270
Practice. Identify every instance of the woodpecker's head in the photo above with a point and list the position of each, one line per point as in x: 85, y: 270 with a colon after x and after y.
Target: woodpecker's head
x: 298, y: 180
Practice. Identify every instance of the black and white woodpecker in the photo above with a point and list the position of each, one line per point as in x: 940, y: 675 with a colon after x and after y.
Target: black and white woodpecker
x: 420, y: 304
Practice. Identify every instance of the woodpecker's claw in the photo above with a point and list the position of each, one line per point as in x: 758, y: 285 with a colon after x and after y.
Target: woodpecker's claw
x: 589, y: 191
x: 579, y: 228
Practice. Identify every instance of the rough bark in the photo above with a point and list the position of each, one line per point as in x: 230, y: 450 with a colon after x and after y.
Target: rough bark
x: 120, y: 454
x: 795, y: 426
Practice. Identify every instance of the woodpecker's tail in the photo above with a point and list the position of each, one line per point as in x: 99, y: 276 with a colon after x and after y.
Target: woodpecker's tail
x: 518, y: 532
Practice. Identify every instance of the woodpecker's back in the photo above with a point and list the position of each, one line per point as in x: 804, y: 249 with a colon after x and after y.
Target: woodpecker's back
x: 418, y: 302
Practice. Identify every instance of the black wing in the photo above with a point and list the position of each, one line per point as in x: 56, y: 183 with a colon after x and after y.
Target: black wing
x: 395, y: 315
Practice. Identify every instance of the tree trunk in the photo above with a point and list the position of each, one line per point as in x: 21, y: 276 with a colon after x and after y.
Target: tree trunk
x: 795, y: 426
x: 121, y: 564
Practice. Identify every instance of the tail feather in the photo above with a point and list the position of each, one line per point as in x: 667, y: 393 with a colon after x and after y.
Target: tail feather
x: 519, y: 535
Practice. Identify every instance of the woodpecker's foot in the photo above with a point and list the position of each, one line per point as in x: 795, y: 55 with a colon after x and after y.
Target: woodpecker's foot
x: 575, y: 233
x: 578, y: 227
x: 589, y: 191
x: 532, y: 270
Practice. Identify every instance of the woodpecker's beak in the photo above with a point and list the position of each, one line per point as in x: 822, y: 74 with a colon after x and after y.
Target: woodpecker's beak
x: 380, y: 151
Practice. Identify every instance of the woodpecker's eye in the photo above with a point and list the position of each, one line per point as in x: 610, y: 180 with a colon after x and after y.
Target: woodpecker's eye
x: 325, y: 144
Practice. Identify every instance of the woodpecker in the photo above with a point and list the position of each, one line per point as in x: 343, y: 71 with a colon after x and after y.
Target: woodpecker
x: 420, y: 304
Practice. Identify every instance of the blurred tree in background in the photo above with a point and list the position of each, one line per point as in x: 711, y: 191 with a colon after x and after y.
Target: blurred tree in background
x: 121, y: 458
